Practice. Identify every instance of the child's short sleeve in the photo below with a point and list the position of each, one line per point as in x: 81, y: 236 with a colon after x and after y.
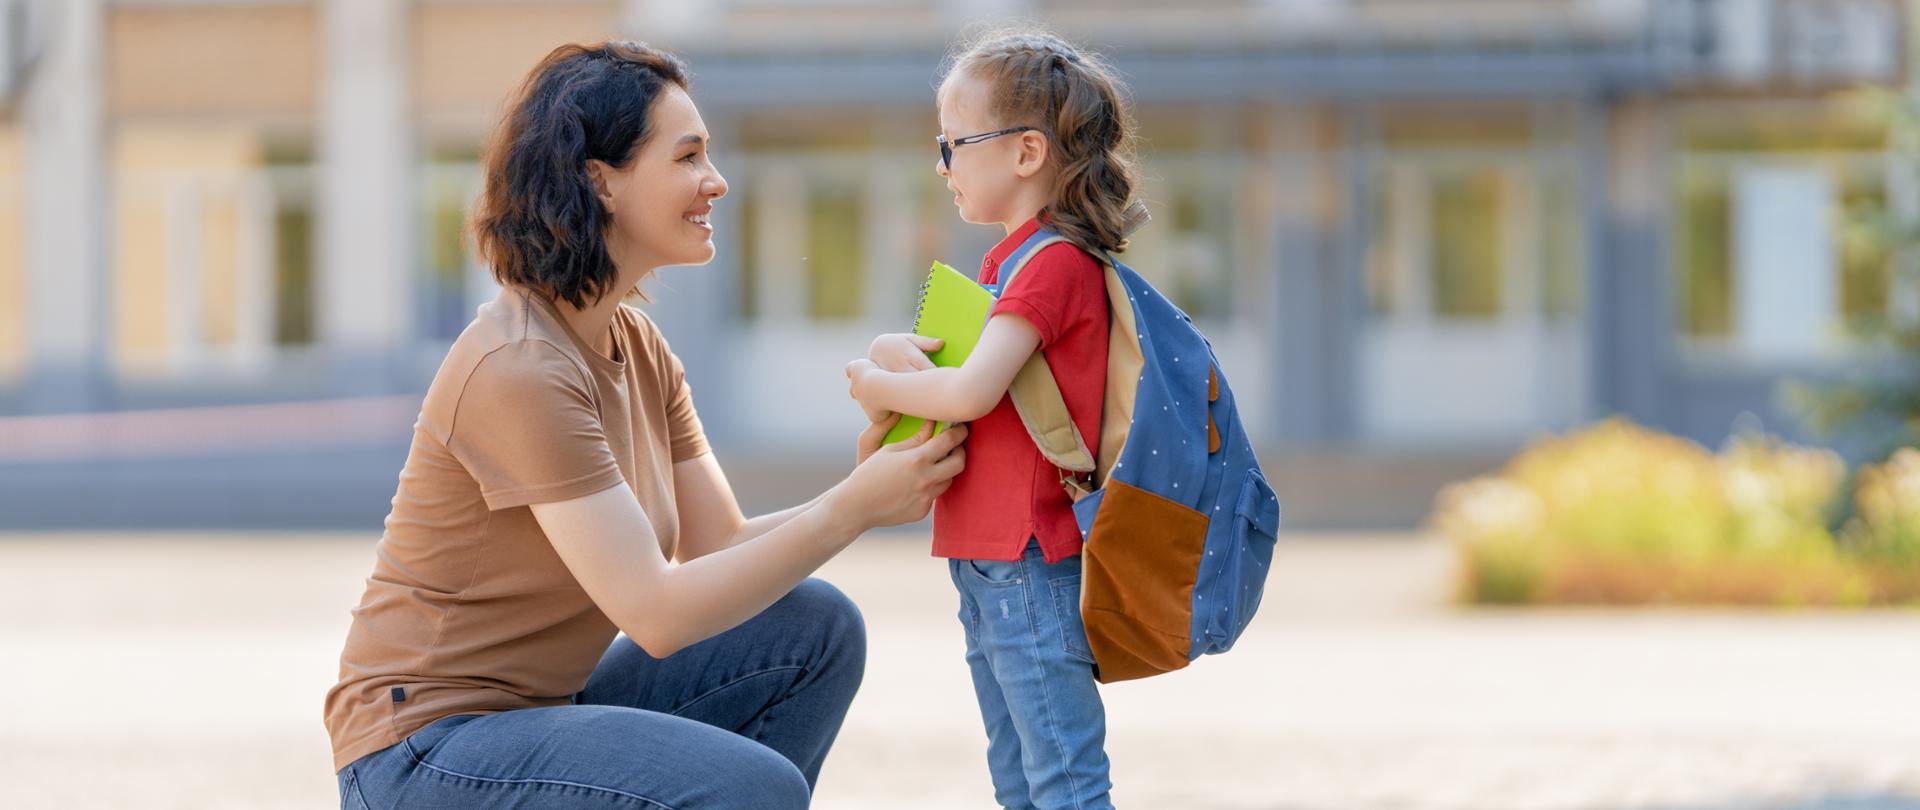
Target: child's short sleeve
x: 1060, y: 287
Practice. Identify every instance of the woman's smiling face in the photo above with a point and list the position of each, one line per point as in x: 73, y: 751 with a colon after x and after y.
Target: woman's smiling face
x: 660, y: 201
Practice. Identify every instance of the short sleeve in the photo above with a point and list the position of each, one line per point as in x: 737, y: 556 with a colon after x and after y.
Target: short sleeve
x: 1059, y: 286
x: 687, y: 438
x: 527, y: 430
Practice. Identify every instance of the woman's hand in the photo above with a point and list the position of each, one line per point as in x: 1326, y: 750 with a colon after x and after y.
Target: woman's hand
x: 856, y: 373
x: 870, y: 439
x: 897, y: 483
x: 902, y: 352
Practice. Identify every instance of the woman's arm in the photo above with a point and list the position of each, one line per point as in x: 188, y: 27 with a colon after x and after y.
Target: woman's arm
x: 710, y: 517
x: 959, y: 394
x: 609, y: 546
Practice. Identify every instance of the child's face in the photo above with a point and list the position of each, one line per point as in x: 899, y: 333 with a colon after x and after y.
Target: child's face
x: 984, y: 177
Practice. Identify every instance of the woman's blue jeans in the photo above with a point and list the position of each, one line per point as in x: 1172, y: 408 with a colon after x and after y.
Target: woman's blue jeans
x: 740, y: 720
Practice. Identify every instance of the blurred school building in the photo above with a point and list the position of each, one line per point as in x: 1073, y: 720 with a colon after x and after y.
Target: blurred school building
x: 1418, y: 232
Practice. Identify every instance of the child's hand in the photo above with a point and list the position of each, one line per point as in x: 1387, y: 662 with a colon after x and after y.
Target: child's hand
x: 903, y: 352
x: 857, y: 372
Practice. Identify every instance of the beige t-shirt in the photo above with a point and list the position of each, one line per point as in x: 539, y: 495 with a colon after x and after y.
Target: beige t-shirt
x: 469, y: 610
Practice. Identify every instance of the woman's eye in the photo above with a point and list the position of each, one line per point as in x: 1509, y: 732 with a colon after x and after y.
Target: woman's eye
x: 689, y: 158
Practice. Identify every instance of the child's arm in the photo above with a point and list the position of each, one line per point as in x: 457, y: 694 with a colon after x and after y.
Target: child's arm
x: 959, y: 394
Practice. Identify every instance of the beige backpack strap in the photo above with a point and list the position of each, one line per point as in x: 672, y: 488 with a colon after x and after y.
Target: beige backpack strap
x: 1036, y: 396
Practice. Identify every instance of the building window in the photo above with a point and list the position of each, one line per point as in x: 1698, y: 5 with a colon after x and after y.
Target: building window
x: 1772, y: 261
x: 834, y: 262
x: 1187, y: 250
x: 290, y: 173
x: 448, y: 270
x: 1466, y: 241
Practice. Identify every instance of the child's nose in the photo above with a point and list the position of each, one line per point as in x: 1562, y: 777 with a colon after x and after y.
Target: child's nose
x: 940, y: 167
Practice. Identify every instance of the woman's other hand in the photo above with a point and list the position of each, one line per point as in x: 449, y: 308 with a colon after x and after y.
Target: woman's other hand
x: 898, y: 483
x: 870, y: 439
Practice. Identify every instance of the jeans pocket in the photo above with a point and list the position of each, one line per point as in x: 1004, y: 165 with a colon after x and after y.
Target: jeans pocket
x: 350, y: 798
x: 993, y: 572
x: 1066, y: 607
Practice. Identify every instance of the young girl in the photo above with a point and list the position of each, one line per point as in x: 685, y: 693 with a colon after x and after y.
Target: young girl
x: 1034, y: 134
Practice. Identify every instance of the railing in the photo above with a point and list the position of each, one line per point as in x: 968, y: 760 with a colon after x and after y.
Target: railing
x: 1771, y: 42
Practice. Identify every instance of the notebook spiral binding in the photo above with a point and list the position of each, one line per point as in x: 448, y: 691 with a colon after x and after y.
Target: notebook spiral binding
x: 920, y: 304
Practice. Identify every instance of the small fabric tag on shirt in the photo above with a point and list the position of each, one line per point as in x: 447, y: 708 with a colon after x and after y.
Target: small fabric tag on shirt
x: 399, y: 694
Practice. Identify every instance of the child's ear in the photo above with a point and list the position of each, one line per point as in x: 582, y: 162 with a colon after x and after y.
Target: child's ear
x: 1031, y: 154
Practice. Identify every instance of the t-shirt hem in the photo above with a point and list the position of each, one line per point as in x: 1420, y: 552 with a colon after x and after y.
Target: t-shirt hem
x: 692, y: 450
x: 1000, y: 551
x: 548, y: 493
x: 1015, y: 306
x: 353, y: 752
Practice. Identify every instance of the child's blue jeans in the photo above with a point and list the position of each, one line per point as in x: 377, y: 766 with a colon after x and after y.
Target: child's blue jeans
x: 1033, y: 676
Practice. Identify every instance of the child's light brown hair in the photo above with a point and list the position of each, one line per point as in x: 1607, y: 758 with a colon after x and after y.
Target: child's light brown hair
x: 1039, y: 80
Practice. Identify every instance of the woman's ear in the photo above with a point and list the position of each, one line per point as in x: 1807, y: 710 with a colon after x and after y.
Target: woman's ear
x: 597, y: 174
x: 1031, y: 154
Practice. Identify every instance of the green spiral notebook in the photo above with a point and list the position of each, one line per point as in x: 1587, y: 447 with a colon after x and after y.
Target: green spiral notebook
x: 953, y: 308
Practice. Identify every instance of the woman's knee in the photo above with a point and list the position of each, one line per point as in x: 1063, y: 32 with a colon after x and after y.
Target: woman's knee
x: 821, y: 605
x: 764, y: 778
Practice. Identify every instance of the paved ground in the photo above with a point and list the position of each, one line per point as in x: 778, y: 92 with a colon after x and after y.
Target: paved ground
x: 173, y: 672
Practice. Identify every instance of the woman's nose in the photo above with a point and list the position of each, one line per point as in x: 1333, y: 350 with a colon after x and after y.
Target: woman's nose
x: 717, y: 186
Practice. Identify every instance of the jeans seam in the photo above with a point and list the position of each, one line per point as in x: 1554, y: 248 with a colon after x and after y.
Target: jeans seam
x: 730, y: 684
x: 353, y: 783
x: 1053, y: 591
x: 1046, y: 697
x: 555, y: 782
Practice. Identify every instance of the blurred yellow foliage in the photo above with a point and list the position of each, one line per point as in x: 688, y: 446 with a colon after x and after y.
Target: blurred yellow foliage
x: 1618, y: 514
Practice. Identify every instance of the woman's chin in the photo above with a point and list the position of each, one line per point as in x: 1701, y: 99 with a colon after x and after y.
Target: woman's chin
x: 699, y: 255
x: 690, y: 253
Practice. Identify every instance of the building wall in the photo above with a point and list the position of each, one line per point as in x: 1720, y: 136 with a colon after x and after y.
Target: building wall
x: 1400, y: 230
x: 13, y: 287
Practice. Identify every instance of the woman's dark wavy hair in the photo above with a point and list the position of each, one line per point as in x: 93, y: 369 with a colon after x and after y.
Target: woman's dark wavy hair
x: 538, y: 221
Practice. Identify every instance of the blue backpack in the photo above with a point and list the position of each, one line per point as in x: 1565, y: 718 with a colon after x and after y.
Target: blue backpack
x: 1179, y: 522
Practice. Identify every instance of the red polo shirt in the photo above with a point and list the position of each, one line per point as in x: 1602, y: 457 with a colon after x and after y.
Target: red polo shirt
x: 1008, y: 491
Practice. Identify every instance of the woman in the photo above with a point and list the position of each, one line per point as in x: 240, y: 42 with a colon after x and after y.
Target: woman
x: 556, y: 467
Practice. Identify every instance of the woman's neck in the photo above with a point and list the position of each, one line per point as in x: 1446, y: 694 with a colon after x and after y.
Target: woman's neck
x: 592, y: 322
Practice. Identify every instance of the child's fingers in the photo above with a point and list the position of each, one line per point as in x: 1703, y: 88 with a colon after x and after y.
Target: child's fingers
x: 927, y: 344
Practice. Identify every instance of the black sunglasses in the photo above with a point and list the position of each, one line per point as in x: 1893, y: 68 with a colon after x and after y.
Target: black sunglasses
x: 947, y: 147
